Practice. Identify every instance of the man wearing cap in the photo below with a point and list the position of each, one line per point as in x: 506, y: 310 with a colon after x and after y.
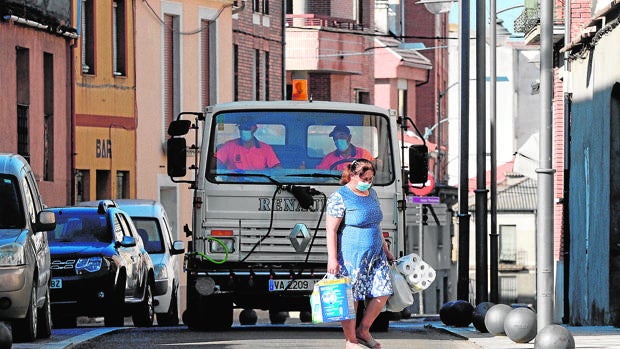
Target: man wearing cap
x: 247, y: 152
x: 344, y: 150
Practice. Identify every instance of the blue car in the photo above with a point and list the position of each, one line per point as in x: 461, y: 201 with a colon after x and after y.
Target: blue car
x: 99, y: 267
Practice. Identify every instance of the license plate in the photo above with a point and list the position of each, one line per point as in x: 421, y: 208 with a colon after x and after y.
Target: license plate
x: 295, y: 285
x: 56, y: 283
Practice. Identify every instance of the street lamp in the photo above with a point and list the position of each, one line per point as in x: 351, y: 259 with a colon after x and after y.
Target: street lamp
x: 436, y: 7
x: 463, y: 215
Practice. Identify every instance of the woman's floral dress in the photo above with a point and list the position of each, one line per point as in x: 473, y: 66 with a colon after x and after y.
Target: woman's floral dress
x: 360, y: 242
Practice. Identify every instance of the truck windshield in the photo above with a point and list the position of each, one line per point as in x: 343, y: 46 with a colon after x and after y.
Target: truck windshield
x: 294, y: 146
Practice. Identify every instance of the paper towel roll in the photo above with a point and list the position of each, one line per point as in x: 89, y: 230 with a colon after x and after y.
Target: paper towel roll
x: 413, y: 278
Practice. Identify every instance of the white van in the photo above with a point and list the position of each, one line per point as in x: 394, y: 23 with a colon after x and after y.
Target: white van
x: 24, y: 252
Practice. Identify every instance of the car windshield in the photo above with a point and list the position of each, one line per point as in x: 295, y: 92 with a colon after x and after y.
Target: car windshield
x: 11, y: 210
x: 296, y: 146
x: 149, y: 231
x: 82, y: 226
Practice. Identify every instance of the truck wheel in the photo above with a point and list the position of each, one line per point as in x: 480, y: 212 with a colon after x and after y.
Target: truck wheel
x: 25, y: 330
x: 44, y: 327
x: 305, y: 316
x: 212, y: 313
x: 278, y: 317
x: 170, y: 318
x: 248, y: 317
x: 144, y: 313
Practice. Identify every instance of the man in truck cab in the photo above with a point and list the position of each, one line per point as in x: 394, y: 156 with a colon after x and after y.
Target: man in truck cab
x: 246, y: 152
x: 337, y: 159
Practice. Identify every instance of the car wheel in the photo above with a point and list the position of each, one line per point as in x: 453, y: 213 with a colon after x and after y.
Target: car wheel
x: 144, y: 314
x: 44, y: 329
x: 115, y: 313
x: 278, y: 317
x: 25, y: 330
x: 171, y: 318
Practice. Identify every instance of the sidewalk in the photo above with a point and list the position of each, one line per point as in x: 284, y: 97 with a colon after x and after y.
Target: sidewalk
x: 585, y: 337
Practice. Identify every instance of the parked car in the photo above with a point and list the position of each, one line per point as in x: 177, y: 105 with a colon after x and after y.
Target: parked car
x: 24, y: 252
x: 99, y: 267
x: 152, y: 222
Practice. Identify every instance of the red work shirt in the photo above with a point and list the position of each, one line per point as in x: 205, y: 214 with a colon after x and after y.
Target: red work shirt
x: 234, y: 155
x: 335, y: 156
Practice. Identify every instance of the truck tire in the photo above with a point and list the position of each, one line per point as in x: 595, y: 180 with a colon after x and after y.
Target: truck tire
x: 278, y: 317
x: 212, y: 313
x: 25, y: 330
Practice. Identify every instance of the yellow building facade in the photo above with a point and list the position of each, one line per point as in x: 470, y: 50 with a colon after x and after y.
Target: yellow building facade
x: 105, y: 100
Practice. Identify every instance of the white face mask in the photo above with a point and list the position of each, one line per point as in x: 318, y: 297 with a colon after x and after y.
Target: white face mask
x: 363, y: 186
x: 246, y: 135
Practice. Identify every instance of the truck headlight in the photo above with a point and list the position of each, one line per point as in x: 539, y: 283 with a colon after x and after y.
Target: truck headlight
x: 216, y: 247
x: 12, y: 254
x: 91, y: 265
x: 161, y: 272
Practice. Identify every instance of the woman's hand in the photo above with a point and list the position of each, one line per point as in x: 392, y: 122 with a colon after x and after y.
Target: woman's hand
x: 332, y: 266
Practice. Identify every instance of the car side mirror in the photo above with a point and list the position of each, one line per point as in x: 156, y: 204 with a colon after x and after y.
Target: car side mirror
x: 177, y: 247
x: 418, y: 163
x: 128, y: 241
x: 46, y: 221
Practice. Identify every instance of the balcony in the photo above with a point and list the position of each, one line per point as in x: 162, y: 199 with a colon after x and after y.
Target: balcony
x: 326, y: 44
x: 321, y: 21
x: 53, y: 13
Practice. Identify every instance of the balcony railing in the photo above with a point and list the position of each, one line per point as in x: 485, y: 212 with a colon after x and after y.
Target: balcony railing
x: 314, y: 20
x: 529, y: 19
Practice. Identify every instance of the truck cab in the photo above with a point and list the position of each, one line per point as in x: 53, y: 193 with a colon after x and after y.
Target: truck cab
x: 262, y: 175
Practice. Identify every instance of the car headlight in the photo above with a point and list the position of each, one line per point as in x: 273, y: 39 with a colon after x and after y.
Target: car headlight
x: 161, y: 272
x: 216, y: 247
x: 12, y: 254
x: 91, y: 265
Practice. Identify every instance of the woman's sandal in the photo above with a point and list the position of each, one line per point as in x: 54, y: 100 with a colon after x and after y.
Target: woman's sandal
x: 370, y: 343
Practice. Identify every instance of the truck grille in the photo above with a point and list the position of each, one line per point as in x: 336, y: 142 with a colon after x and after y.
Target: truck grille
x: 279, y: 243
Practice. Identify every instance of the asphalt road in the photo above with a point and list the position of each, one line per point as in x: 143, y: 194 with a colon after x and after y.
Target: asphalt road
x: 409, y: 333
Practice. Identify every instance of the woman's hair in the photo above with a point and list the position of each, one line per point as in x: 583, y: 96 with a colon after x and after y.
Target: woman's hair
x: 357, y: 167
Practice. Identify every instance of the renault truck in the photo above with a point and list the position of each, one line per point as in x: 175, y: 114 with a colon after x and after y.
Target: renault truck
x: 257, y: 237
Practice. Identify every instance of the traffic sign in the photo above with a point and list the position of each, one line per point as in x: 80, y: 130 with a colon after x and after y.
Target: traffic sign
x: 427, y: 200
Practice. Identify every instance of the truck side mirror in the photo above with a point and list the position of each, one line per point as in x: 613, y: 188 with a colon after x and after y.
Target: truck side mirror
x: 179, y: 127
x: 177, y: 156
x: 418, y: 163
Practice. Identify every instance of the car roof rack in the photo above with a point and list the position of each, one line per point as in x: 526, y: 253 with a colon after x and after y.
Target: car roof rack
x: 104, y: 205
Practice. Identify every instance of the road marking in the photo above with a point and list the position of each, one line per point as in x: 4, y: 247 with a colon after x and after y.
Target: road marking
x: 80, y: 338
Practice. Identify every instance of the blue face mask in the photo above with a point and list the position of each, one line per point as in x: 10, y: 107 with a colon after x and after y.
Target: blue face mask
x: 363, y: 186
x: 246, y: 135
x: 341, y: 144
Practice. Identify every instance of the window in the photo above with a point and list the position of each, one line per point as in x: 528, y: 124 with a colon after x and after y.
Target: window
x: 87, y: 37
x: 508, y: 244
x: 48, y: 117
x: 205, y: 60
x: 23, y: 101
x: 119, y: 47
x: 236, y: 72
x: 122, y: 184
x: 267, y: 74
x: 171, y: 68
x: 256, y: 5
x: 257, y: 78
x: 265, y: 7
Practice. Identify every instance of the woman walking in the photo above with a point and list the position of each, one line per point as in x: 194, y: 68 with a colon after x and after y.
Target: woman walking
x: 356, y: 248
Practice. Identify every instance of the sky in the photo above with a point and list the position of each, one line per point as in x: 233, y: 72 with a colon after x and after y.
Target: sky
x: 508, y: 16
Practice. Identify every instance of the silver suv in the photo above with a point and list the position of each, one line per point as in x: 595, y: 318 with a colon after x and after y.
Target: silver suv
x: 24, y: 252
